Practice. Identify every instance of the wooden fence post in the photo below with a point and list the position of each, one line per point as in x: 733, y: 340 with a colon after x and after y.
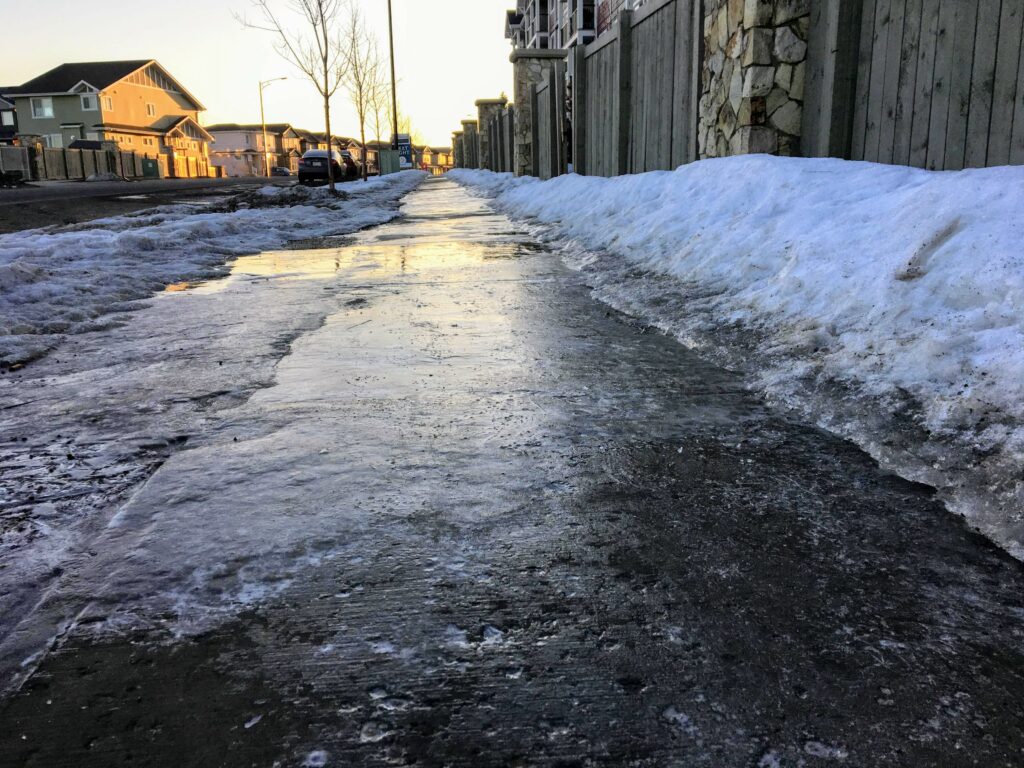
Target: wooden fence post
x: 624, y: 118
x: 554, y: 134
x: 831, y: 92
x: 510, y: 139
x: 534, y: 131
x: 579, y: 109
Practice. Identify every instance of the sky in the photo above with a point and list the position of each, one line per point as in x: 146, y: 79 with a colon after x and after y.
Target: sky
x: 449, y: 53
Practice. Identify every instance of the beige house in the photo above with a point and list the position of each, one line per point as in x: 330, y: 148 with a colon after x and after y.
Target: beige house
x: 240, y: 151
x: 137, y: 105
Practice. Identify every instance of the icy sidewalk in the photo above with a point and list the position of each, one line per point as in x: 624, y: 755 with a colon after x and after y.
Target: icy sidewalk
x: 887, y: 303
x: 54, y: 283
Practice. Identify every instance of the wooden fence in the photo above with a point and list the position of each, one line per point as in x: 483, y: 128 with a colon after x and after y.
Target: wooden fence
x: 636, y: 91
x: 500, y: 141
x: 936, y: 84
x: 549, y: 125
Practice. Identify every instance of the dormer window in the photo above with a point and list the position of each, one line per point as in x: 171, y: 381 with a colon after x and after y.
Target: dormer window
x: 89, y: 102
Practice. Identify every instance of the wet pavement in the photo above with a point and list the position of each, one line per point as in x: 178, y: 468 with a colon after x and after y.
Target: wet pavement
x: 473, y: 517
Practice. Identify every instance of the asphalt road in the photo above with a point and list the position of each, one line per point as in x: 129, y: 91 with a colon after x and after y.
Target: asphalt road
x: 475, y: 518
x: 66, y: 203
x: 56, y: 191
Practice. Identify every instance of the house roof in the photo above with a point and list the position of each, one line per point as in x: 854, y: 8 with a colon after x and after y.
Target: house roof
x: 160, y: 128
x: 99, y: 74
x: 274, y: 128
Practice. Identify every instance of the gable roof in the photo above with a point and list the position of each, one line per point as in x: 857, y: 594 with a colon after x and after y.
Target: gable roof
x: 276, y: 129
x: 99, y: 74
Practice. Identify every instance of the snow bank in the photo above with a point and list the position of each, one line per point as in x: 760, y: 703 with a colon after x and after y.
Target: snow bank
x: 901, y: 291
x: 63, y: 281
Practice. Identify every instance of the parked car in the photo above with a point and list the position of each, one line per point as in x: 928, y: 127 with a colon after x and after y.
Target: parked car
x: 313, y: 166
x: 280, y: 171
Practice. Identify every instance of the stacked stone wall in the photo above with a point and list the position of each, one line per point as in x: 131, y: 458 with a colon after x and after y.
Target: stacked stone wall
x: 530, y: 68
x: 752, y: 82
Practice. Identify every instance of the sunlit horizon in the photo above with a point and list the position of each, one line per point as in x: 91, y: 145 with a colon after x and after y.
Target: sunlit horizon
x: 445, y: 58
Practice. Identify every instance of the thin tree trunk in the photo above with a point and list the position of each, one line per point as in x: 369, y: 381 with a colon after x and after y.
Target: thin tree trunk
x: 366, y: 156
x: 330, y: 145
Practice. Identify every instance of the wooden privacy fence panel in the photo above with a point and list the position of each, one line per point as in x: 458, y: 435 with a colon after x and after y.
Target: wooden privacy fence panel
x: 936, y: 84
x: 548, y: 125
x: 601, y: 156
x: 663, y: 110
x: 638, y: 86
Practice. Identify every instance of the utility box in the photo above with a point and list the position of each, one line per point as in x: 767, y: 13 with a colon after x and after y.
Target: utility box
x: 150, y: 168
x: 389, y: 161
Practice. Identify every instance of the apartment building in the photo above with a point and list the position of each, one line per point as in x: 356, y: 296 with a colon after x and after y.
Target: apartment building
x: 562, y: 23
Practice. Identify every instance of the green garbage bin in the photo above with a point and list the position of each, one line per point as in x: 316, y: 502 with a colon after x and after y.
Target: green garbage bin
x: 150, y: 168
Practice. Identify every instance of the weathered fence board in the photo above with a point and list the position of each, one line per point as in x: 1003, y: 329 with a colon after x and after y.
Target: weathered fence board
x: 545, y: 129
x: 960, y: 86
x: 909, y: 54
x: 979, y: 113
x: 602, y: 100
x: 923, y: 93
x: 891, y: 81
x: 1017, y: 142
x: 863, y: 92
x: 937, y: 82
x: 1007, y: 89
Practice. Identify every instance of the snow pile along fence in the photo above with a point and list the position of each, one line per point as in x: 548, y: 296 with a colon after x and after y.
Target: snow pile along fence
x: 897, y: 289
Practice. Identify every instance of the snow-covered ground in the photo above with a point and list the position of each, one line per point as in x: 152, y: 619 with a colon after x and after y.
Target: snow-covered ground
x: 55, y: 282
x: 886, y: 302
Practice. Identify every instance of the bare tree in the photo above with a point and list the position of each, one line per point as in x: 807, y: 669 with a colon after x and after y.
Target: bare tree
x: 316, y: 48
x: 365, y: 78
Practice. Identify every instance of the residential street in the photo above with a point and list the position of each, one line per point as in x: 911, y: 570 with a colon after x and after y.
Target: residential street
x: 417, y: 498
x: 70, y: 202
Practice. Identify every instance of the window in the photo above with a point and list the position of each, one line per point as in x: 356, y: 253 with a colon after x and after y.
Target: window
x: 92, y: 136
x: 6, y: 118
x: 42, y: 107
x: 89, y: 103
x: 54, y: 140
x: 150, y: 110
x: 108, y: 104
x: 147, y: 142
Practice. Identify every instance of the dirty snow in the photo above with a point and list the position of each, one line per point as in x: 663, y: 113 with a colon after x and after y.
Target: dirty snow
x: 55, y: 282
x: 886, y: 302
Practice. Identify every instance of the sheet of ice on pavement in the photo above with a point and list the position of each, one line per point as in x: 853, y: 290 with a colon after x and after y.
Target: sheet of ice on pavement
x: 884, y: 302
x: 241, y: 491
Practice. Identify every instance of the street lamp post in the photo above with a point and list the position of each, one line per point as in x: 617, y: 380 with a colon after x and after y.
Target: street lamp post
x: 394, y: 89
x: 263, y: 123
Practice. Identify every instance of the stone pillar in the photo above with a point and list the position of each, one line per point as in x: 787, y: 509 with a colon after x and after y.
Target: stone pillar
x: 470, y: 144
x: 458, y: 151
x: 488, y: 111
x: 752, y: 80
x: 530, y: 68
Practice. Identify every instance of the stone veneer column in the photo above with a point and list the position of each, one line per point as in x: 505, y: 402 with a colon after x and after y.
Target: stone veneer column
x: 458, y: 150
x: 752, y: 85
x: 488, y: 110
x: 470, y: 144
x: 530, y: 67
